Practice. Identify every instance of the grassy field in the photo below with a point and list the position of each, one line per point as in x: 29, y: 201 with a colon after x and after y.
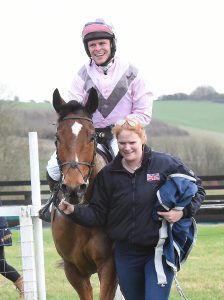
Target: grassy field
x: 202, y: 149
x: 201, y: 278
x: 26, y: 105
x: 205, y: 126
x: 203, y: 115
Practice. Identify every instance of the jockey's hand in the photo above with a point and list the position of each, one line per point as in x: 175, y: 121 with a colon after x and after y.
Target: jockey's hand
x: 171, y: 216
x: 66, y: 207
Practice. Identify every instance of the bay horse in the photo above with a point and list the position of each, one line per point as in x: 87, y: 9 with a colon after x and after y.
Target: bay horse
x: 84, y: 251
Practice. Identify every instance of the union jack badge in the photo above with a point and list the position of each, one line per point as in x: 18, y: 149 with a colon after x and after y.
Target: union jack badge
x: 153, y: 177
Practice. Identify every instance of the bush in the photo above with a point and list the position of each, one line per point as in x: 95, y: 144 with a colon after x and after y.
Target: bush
x: 203, y: 155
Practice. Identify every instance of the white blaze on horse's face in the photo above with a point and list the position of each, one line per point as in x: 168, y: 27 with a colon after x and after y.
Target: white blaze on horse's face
x: 76, y: 127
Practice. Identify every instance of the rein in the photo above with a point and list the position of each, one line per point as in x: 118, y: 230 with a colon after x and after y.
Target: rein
x: 73, y: 163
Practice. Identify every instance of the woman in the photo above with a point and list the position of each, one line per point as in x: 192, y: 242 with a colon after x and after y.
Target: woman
x: 124, y: 201
x: 5, y: 269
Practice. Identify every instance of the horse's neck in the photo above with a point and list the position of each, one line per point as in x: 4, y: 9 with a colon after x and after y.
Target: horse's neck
x: 100, y: 162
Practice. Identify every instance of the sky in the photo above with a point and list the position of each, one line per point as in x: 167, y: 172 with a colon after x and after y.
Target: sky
x: 177, y: 44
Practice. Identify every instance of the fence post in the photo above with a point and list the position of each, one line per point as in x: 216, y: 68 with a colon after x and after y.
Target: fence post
x: 37, y: 223
x: 28, y: 255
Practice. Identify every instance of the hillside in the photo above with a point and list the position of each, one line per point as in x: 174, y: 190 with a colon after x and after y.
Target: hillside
x: 191, y: 130
x: 203, y: 115
x: 42, y: 118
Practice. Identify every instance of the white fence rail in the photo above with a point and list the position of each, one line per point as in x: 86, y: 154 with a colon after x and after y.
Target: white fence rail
x: 31, y: 233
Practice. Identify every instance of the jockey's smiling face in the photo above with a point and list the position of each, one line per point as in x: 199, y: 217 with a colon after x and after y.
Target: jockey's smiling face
x: 100, y: 50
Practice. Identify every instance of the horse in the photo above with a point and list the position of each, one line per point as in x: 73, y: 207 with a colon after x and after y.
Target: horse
x: 84, y: 251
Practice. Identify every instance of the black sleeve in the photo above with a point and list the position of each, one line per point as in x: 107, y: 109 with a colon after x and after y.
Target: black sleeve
x: 3, y: 222
x: 193, y: 207
x: 4, y: 228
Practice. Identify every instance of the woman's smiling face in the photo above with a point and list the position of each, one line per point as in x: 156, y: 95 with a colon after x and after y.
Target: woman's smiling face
x: 130, y: 145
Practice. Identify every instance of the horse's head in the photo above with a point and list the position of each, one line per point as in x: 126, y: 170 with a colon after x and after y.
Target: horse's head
x: 75, y: 144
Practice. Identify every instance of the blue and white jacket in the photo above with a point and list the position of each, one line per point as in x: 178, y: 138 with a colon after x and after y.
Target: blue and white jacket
x: 175, y: 240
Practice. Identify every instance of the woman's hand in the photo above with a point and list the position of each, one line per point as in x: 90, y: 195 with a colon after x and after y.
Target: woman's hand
x: 6, y: 237
x: 66, y: 207
x: 171, y: 216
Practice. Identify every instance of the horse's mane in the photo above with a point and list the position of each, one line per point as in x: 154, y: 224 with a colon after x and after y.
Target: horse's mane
x: 72, y: 106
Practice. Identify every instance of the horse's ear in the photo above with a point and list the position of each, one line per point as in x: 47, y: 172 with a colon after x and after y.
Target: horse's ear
x: 57, y: 100
x: 92, y: 102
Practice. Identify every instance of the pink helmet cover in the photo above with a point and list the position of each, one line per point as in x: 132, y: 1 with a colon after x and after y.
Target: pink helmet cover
x: 96, y: 28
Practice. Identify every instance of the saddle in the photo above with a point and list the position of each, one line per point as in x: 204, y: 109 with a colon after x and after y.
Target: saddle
x: 103, y: 138
x: 105, y: 152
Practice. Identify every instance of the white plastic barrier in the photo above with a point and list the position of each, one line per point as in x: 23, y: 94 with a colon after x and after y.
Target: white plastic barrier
x: 37, y: 223
x: 31, y: 234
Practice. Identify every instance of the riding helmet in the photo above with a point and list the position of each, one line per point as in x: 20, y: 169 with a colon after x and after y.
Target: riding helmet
x: 96, y: 30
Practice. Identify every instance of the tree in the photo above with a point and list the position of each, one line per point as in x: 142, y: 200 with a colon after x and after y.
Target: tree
x: 206, y: 92
x: 16, y: 99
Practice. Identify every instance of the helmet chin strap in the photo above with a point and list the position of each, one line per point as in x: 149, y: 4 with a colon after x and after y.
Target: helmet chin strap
x: 106, y: 67
x: 107, y: 62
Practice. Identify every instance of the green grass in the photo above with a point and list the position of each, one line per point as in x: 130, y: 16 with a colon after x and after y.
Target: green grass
x: 194, y: 114
x: 25, y: 105
x: 201, y: 277
x: 203, y: 115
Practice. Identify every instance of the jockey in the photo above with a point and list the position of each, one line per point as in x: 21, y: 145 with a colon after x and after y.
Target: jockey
x: 122, y: 90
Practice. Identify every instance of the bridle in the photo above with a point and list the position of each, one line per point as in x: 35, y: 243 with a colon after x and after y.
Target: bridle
x: 73, y: 163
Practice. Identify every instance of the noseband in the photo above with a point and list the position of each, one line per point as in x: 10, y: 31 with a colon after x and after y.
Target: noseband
x: 73, y: 163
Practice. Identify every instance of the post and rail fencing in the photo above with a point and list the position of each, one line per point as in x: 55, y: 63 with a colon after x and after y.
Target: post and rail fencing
x: 31, y: 234
x: 212, y: 209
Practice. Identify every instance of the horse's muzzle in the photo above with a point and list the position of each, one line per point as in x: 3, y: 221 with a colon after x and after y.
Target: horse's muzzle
x: 74, y: 195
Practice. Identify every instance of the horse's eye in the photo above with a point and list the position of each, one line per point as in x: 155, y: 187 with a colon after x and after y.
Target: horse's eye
x: 56, y: 139
x: 92, y: 137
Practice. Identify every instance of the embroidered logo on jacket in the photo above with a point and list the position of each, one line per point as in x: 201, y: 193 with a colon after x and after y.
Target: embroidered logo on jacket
x: 153, y: 177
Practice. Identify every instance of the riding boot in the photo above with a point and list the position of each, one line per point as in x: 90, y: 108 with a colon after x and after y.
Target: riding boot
x: 45, y: 211
x: 20, y: 287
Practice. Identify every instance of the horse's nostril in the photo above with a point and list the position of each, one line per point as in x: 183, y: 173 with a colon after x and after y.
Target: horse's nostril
x: 77, y: 191
x: 83, y: 187
x: 81, y: 190
x: 64, y: 188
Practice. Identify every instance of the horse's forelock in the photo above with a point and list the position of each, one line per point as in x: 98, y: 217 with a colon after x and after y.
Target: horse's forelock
x: 72, y: 106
